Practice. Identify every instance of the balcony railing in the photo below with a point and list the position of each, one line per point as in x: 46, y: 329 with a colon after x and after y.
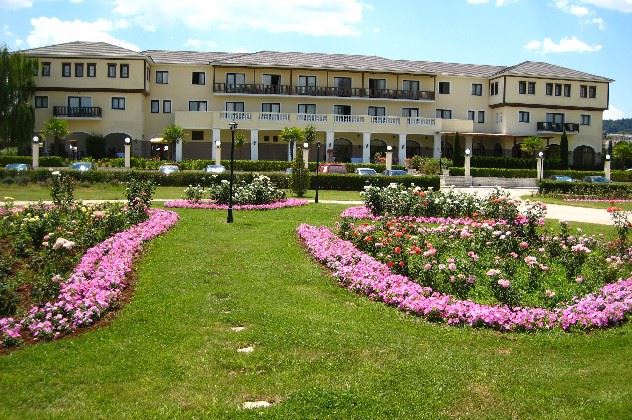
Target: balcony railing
x: 77, y: 112
x: 385, y: 120
x: 235, y: 115
x: 345, y: 92
x: 421, y: 121
x: 274, y: 116
x: 354, y: 119
x: 311, y: 117
x: 558, y: 127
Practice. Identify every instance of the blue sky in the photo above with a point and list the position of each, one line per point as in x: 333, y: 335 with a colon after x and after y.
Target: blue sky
x: 588, y: 35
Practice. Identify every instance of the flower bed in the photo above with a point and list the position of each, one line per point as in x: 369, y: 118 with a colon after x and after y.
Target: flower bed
x: 93, y: 288
x: 363, y: 274
x: 210, y: 204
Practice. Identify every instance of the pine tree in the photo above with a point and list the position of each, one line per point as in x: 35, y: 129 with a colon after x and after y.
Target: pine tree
x: 300, y: 177
x: 564, y: 150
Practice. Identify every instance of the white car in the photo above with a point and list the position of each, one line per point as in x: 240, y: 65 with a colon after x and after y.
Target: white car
x: 365, y: 172
x: 169, y: 169
x: 215, y: 169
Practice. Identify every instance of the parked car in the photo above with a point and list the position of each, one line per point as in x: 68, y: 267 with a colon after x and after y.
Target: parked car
x: 562, y: 178
x: 365, y: 172
x: 596, y: 179
x: 215, y: 169
x: 81, y: 166
x: 17, y: 167
x: 395, y: 172
x: 168, y: 169
x: 333, y: 168
x: 288, y: 171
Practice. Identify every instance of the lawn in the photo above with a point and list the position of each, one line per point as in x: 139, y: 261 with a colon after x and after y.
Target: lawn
x: 589, y: 204
x: 117, y: 192
x: 319, y: 350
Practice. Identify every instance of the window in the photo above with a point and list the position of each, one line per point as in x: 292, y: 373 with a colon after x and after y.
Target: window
x: 471, y: 115
x: 410, y: 112
x: 235, y: 106
x: 162, y: 77
x: 377, y: 84
x: 592, y: 92
x: 155, y: 106
x: 46, y: 69
x: 567, y: 90
x: 233, y: 79
x: 166, y: 106
x: 446, y: 114
x: 583, y: 91
x: 493, y: 89
x: 342, y: 109
x: 410, y: 85
x: 41, y: 102
x: 271, y: 79
x: 549, y: 89
x: 124, y: 71
x: 198, y: 78
x: 270, y: 107
x: 377, y: 111
x: 481, y: 117
x: 531, y: 88
x: 118, y: 103
x: 523, y: 116
x: 79, y: 102
x: 197, y: 135
x: 555, y: 118
x: 65, y: 70
x: 585, y: 119
x: 147, y: 73
x: 197, y: 106
x: 306, y: 108
x: 444, y: 88
x: 558, y: 89
x: 477, y: 89
x: 78, y: 69
x: 307, y: 80
x: 111, y: 70
x: 343, y: 85
x: 522, y: 87
x: 92, y: 69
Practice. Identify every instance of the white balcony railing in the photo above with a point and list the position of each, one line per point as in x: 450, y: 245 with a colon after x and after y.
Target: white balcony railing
x: 355, y: 119
x: 311, y: 117
x: 385, y: 120
x: 234, y: 115
x: 421, y: 121
x: 274, y: 116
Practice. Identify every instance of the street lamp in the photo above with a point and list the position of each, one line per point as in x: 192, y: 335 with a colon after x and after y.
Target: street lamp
x: 317, y: 165
x: 233, y: 128
x: 467, y: 152
x: 541, y: 157
x: 306, y: 155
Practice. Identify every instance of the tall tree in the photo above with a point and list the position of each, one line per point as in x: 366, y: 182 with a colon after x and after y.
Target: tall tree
x: 172, y: 133
x: 532, y: 145
x: 292, y: 135
x: 17, y: 116
x: 457, y: 154
x: 564, y: 150
x: 57, y: 129
x: 622, y: 151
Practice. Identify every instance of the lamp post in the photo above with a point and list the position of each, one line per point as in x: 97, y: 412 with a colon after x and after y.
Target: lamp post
x: 128, y: 152
x: 317, y: 166
x: 306, y: 155
x: 468, y: 154
x: 218, y: 152
x: 389, y: 158
x: 540, y: 165
x: 606, y: 167
x: 35, y: 152
x: 233, y: 128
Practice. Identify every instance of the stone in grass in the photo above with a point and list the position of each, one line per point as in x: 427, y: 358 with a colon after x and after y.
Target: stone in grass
x: 248, y: 349
x: 238, y: 329
x: 248, y: 405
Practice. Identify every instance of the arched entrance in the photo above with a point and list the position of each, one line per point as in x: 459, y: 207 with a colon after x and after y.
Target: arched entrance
x: 498, y: 150
x: 553, y: 151
x: 342, y: 150
x: 76, y: 139
x: 413, y: 148
x: 447, y: 150
x: 115, y: 144
x: 377, y: 146
x: 478, y: 149
x: 584, y: 157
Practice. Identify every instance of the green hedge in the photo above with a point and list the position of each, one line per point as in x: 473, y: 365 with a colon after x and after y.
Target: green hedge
x: 45, y: 161
x: 511, y: 163
x: 585, y: 189
x: 525, y: 173
x: 352, y: 182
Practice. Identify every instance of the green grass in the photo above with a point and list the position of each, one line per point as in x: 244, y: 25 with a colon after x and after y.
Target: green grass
x: 592, y: 205
x: 36, y: 192
x: 320, y: 350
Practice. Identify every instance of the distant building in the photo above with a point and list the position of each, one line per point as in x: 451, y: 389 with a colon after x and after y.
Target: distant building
x: 358, y: 104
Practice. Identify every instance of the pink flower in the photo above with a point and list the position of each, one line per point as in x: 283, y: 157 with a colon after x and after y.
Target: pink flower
x: 452, y: 266
x: 504, y: 283
x: 549, y: 293
x: 493, y: 272
x: 523, y: 245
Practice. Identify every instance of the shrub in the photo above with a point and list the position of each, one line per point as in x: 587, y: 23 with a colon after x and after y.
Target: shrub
x: 61, y: 191
x: 299, y: 178
x: 194, y: 194
x: 352, y: 182
x: 139, y: 193
x: 260, y: 190
x: 586, y: 189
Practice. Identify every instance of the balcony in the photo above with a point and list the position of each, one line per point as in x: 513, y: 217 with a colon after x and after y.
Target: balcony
x: 551, y: 127
x: 77, y: 112
x: 328, y: 91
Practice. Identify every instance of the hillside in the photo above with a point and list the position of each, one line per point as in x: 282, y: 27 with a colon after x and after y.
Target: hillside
x: 624, y: 125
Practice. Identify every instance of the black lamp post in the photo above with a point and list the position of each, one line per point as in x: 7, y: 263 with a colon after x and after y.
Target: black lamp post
x: 317, y: 164
x: 233, y: 128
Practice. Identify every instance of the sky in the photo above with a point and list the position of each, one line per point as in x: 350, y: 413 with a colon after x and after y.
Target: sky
x: 593, y: 36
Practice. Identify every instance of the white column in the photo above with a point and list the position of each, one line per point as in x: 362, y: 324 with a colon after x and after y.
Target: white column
x: 366, y: 147
x: 402, y: 149
x: 606, y: 168
x: 306, y: 157
x: 215, y: 138
x: 254, y: 144
x: 468, y: 142
x: 329, y: 143
x: 35, y: 146
x: 389, y: 158
x: 539, y: 168
x: 179, y: 150
x: 128, y: 155
x: 467, y: 164
x: 217, y: 152
x: 436, y: 147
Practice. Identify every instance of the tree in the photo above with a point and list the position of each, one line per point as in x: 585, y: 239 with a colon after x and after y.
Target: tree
x: 457, y: 155
x: 309, y: 133
x: 622, y: 151
x: 564, y: 150
x: 300, y: 177
x: 57, y: 129
x: 532, y: 145
x: 292, y: 135
x: 17, y: 116
x: 95, y: 146
x: 172, y: 133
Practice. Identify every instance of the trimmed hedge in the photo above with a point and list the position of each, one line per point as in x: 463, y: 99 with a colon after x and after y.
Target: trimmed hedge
x: 352, y: 182
x: 523, y: 173
x: 511, y: 163
x: 46, y: 161
x: 586, y: 189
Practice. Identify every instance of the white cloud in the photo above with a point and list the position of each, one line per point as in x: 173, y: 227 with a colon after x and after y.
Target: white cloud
x: 200, y: 44
x: 240, y: 50
x: 613, y: 113
x: 15, y: 4
x: 585, y: 14
x: 477, y: 1
x: 47, y: 31
x: 624, y: 6
x: 499, y: 3
x: 572, y: 44
x: 321, y: 17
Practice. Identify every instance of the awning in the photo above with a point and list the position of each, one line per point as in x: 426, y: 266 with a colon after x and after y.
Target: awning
x: 158, y: 140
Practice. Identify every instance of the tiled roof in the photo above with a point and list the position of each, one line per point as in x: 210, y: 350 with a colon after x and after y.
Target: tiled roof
x: 83, y: 49
x: 187, y: 57
x: 537, y: 68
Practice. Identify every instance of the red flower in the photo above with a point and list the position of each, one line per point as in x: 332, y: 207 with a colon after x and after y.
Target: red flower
x: 397, y: 250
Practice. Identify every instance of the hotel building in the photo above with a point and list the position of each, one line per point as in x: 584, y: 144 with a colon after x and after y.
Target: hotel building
x: 358, y: 104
